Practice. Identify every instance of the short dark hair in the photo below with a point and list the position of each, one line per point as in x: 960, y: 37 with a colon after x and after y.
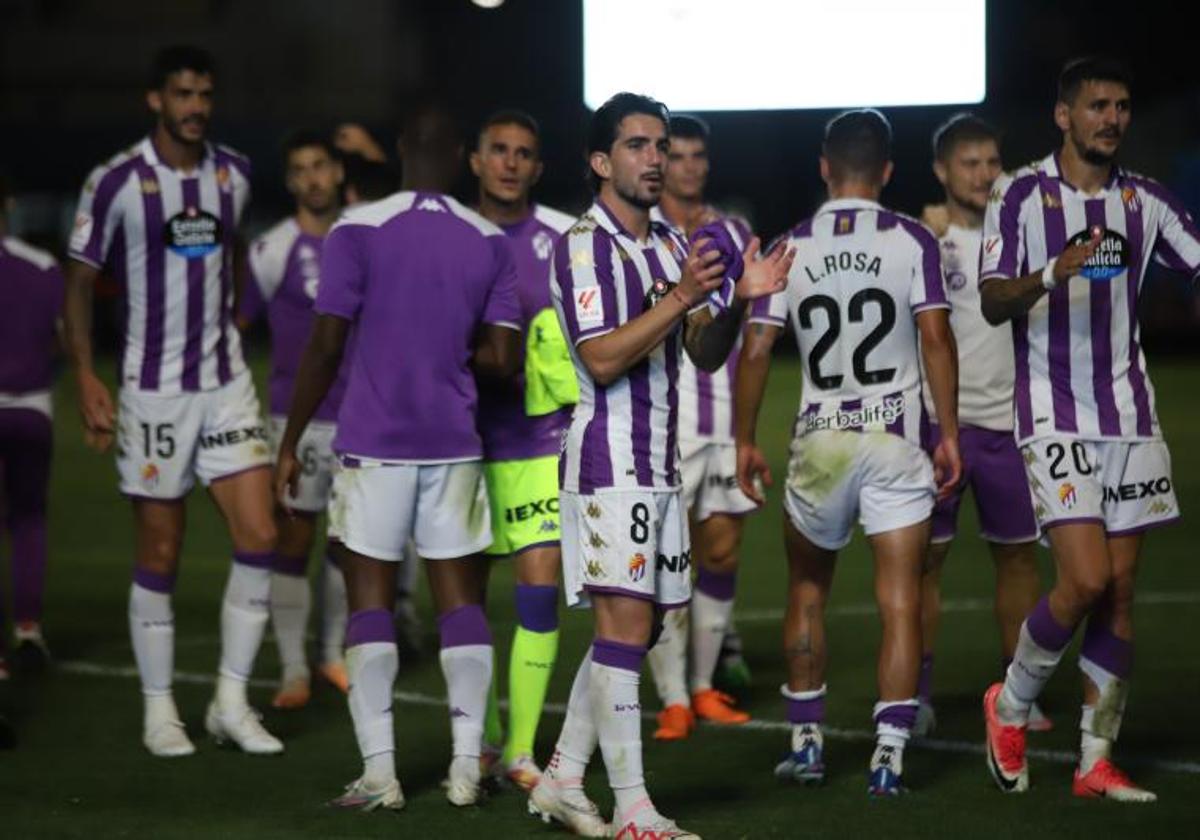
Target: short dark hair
x: 963, y: 127
x: 512, y: 116
x: 1092, y: 68
x: 177, y: 58
x: 307, y: 138
x: 372, y: 180
x: 687, y: 126
x: 858, y: 143
x: 606, y: 123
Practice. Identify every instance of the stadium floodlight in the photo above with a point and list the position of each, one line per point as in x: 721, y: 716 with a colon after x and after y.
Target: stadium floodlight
x: 752, y: 55
x: 488, y: 4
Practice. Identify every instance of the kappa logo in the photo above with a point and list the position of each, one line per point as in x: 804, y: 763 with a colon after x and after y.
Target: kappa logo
x: 431, y: 205
x: 1040, y: 511
x: 1051, y: 202
x: 1067, y: 495
x: 149, y: 186
x: 594, y: 569
x: 548, y: 526
x: 593, y: 510
x: 596, y: 540
x: 995, y: 196
x: 582, y: 259
x: 589, y: 306
x: 1159, y: 507
x: 637, y: 567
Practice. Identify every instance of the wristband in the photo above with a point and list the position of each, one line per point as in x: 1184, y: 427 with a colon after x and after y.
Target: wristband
x: 678, y: 295
x: 1048, y: 279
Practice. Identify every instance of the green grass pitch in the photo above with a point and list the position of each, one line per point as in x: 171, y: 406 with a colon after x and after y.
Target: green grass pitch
x: 80, y: 769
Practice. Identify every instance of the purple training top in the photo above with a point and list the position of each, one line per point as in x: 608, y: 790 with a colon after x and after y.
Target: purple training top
x: 508, y: 432
x: 285, y: 272
x: 31, y: 298
x: 417, y: 273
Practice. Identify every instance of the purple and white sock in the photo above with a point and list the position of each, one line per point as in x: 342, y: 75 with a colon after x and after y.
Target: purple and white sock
x: 466, y: 659
x: 578, y: 738
x: 806, y: 714
x: 334, y: 610
x: 894, y: 721
x: 712, y: 608
x: 291, y: 601
x: 1107, y: 661
x: 668, y: 660
x: 1040, y: 647
x: 616, y: 670
x: 152, y: 630
x: 244, y: 614
x: 371, y: 665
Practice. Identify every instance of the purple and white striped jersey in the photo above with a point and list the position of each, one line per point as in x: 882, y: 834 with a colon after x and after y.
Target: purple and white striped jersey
x: 417, y: 273
x: 508, y: 432
x: 1080, y: 370
x: 168, y: 237
x: 285, y: 272
x: 622, y: 435
x: 706, y: 399
x: 31, y: 300
x: 861, y: 275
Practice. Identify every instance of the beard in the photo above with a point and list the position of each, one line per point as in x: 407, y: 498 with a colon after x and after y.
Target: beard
x: 969, y: 201
x: 175, y: 128
x: 631, y: 195
x: 1092, y: 155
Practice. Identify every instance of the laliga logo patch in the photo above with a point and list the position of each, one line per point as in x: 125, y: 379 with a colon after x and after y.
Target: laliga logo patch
x: 589, y: 306
x: 1066, y: 495
x: 193, y: 234
x: 1111, y: 257
x: 637, y: 567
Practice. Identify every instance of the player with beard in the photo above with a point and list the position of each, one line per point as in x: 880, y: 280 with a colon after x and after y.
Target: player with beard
x: 521, y: 450
x: 967, y: 161
x: 1066, y: 245
x: 708, y: 467
x: 285, y: 273
x: 163, y: 216
x: 630, y: 297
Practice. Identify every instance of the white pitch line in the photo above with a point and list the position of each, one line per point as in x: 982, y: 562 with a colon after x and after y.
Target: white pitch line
x: 961, y: 605
x: 413, y: 698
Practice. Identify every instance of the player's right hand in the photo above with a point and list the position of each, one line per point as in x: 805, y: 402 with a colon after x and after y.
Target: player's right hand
x: 97, y: 412
x: 752, y: 472
x: 1071, y: 260
x: 703, y: 271
x: 287, y: 477
x: 947, y: 466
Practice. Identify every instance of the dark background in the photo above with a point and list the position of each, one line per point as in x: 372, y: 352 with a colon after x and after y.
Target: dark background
x: 71, y: 81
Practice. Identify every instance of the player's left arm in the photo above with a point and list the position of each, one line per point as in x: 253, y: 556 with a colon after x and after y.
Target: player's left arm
x: 497, y: 346
x: 1178, y: 244
x: 708, y: 339
x: 939, y: 351
x: 319, y: 368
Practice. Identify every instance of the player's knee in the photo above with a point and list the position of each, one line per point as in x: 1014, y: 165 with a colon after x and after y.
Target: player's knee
x: 260, y: 535
x: 1083, y: 592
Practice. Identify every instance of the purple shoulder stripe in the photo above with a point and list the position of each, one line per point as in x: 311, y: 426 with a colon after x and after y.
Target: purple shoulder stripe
x: 931, y: 260
x: 106, y: 190
x: 1010, y: 218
